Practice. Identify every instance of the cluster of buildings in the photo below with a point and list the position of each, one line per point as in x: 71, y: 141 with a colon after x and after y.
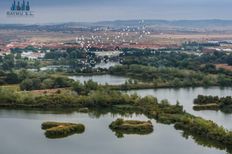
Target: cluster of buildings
x: 220, y: 46
x: 32, y: 55
x: 5, y: 49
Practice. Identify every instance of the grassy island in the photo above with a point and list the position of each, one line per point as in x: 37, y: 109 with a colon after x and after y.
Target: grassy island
x: 131, y: 127
x: 213, y: 103
x: 60, y: 130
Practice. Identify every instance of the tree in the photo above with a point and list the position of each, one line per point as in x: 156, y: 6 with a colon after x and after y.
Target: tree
x: 36, y: 84
x: 78, y: 87
x: 90, y: 85
x: 47, y: 83
x: 23, y: 74
x: 26, y: 84
x: 229, y: 60
x: 18, y: 56
x: 61, y: 82
x: 12, y: 78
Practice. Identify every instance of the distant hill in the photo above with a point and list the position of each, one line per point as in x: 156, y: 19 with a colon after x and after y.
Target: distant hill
x: 207, y: 25
x: 187, y: 23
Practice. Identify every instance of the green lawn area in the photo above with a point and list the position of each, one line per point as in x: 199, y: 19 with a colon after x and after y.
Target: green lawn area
x: 12, y: 87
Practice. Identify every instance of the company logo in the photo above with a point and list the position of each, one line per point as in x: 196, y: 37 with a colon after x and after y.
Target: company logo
x: 20, y: 9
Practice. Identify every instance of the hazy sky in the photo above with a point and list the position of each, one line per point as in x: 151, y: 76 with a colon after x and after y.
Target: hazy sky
x: 54, y: 11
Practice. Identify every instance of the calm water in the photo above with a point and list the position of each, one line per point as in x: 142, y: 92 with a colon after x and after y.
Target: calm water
x: 65, y: 67
x: 21, y: 134
x: 54, y: 67
x: 101, y: 79
x: 186, y: 96
x: 106, y: 65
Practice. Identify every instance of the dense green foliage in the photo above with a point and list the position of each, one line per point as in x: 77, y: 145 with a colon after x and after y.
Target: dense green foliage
x: 15, y: 61
x: 45, y: 83
x: 201, y: 64
x: 178, y: 59
x: 66, y: 99
x: 172, y: 77
x: 85, y: 88
x: 76, y: 58
x: 202, y: 100
x: 162, y: 68
x: 213, y: 102
x: 14, y: 77
x: 205, y: 128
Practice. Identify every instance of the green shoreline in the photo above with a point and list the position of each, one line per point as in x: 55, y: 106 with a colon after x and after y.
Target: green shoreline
x: 223, y: 104
x: 150, y: 86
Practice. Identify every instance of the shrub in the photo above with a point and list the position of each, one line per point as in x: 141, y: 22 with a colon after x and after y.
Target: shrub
x: 59, y: 130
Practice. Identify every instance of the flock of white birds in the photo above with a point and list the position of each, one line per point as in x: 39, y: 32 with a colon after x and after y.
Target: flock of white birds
x: 125, y: 35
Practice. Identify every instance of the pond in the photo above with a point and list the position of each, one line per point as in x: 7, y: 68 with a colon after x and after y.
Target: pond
x: 106, y: 65
x: 54, y: 67
x: 185, y: 96
x: 21, y: 133
x: 101, y: 79
x: 102, y: 65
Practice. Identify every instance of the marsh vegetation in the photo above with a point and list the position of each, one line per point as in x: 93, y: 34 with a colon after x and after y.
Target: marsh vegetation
x: 60, y: 130
x: 121, y: 127
x: 213, y: 103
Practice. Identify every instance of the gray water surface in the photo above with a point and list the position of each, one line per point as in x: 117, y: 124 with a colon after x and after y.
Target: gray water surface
x: 101, y: 79
x: 21, y: 134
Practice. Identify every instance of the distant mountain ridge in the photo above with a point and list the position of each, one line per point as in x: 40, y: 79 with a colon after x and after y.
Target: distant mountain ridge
x: 218, y: 22
x: 211, y: 25
x: 198, y: 23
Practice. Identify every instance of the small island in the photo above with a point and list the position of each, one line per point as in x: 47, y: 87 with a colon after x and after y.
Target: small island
x: 121, y: 127
x: 59, y: 130
x: 223, y: 104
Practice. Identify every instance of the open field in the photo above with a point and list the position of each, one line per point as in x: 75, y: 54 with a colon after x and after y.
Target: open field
x: 12, y: 87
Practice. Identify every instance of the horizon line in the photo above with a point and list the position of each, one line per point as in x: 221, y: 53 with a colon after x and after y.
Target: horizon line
x: 117, y: 20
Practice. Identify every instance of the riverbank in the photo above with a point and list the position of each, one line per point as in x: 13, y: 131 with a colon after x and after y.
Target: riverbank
x: 141, y: 86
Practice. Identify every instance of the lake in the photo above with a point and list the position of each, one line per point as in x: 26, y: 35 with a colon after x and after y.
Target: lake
x: 102, y: 65
x: 54, y: 67
x: 21, y: 134
x: 101, y: 79
x: 106, y: 65
x: 21, y: 130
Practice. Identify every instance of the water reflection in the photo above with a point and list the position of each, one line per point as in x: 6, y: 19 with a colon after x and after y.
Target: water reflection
x: 206, y: 143
x: 18, y: 125
x: 106, y: 65
x: 101, y: 79
x: 186, y: 96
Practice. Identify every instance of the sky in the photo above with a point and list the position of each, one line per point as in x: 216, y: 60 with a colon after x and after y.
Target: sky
x: 60, y: 11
